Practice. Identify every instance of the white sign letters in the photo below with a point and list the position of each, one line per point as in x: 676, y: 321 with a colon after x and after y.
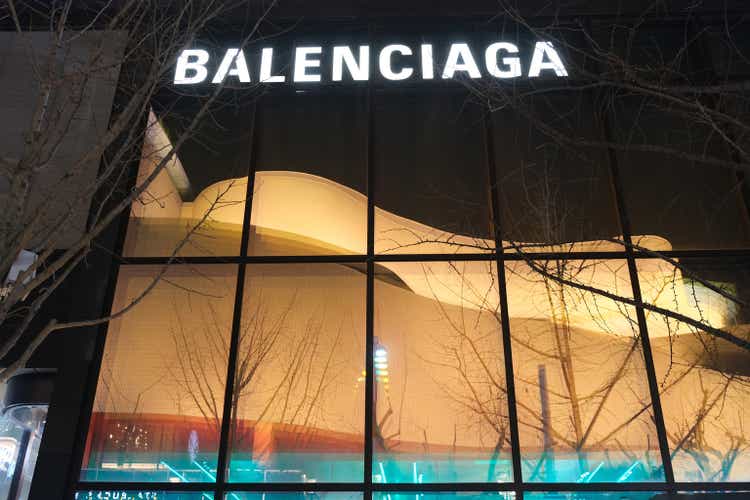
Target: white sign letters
x: 395, y: 62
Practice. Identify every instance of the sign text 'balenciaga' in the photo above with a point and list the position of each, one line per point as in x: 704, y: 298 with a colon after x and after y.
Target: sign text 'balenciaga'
x: 394, y: 62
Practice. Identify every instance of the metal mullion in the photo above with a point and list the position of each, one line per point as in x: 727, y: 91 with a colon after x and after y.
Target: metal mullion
x: 460, y: 257
x: 443, y: 487
x: 195, y: 260
x: 717, y: 486
x: 294, y: 487
x: 430, y: 257
x: 417, y: 487
x: 302, y: 259
x: 510, y: 386
x: 253, y: 259
x: 370, y: 301
x: 597, y: 487
x: 224, y: 450
x: 642, y: 325
x: 517, y: 256
x: 433, y: 257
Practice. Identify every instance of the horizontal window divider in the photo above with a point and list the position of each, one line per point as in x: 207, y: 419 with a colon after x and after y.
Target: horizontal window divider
x: 601, y: 487
x: 138, y: 261
x: 273, y: 487
x: 507, y: 256
x: 515, y: 256
x: 421, y: 257
x: 493, y: 256
x: 444, y: 487
x: 291, y: 259
x: 636, y: 486
x: 731, y: 486
x: 413, y: 487
x: 253, y: 259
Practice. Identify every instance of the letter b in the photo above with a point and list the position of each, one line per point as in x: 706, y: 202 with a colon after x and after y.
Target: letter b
x: 197, y: 65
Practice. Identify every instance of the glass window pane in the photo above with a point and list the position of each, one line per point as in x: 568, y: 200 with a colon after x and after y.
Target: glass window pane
x: 444, y: 495
x: 654, y: 50
x: 707, y: 495
x: 200, y: 194
x: 704, y: 380
x: 159, y: 399
x: 554, y: 195
x: 592, y: 495
x: 142, y: 495
x: 584, y: 410
x: 674, y: 202
x: 728, y: 45
x: 309, y: 191
x: 295, y: 495
x: 12, y: 450
x: 298, y: 403
x: 441, y: 411
x: 431, y: 188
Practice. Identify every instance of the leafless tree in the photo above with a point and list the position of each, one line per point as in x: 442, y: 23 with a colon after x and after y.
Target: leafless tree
x: 626, y: 70
x: 283, y: 372
x: 606, y: 72
x: 139, y: 41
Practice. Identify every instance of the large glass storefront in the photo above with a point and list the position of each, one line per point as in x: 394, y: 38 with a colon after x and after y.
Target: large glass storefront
x: 421, y: 292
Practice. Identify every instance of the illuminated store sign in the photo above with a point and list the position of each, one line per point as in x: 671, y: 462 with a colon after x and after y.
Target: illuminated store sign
x: 393, y: 62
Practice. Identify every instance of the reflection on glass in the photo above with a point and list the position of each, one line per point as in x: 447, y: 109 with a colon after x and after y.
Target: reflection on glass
x: 21, y: 431
x: 158, y: 407
x: 196, y: 203
x: 704, y: 495
x: 704, y: 380
x: 690, y: 204
x: 296, y: 213
x: 446, y: 495
x: 142, y: 495
x: 551, y: 194
x: 298, y: 408
x: 584, y: 411
x: 309, y: 190
x: 300, y: 495
x: 431, y: 183
x: 594, y: 495
x: 440, y: 405
x: 12, y: 436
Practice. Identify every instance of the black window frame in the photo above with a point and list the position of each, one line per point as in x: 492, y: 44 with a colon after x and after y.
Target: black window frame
x: 500, y: 256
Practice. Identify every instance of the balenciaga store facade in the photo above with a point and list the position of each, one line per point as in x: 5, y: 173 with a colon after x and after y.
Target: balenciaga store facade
x: 432, y: 256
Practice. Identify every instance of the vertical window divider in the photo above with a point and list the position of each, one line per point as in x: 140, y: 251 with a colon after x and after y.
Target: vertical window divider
x: 226, y: 421
x: 515, y: 445
x: 369, y: 300
x: 653, y: 385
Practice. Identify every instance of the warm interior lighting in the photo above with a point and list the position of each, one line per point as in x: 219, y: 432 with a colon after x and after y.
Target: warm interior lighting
x: 425, y: 312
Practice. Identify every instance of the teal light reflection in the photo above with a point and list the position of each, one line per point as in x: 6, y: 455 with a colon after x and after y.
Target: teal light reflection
x: 297, y: 467
x: 152, y: 467
x: 309, y: 495
x: 591, y: 467
x: 142, y: 495
x: 592, y: 495
x: 453, y: 467
x: 445, y: 495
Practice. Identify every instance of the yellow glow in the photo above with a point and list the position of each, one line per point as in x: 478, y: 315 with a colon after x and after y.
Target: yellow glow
x: 316, y: 213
